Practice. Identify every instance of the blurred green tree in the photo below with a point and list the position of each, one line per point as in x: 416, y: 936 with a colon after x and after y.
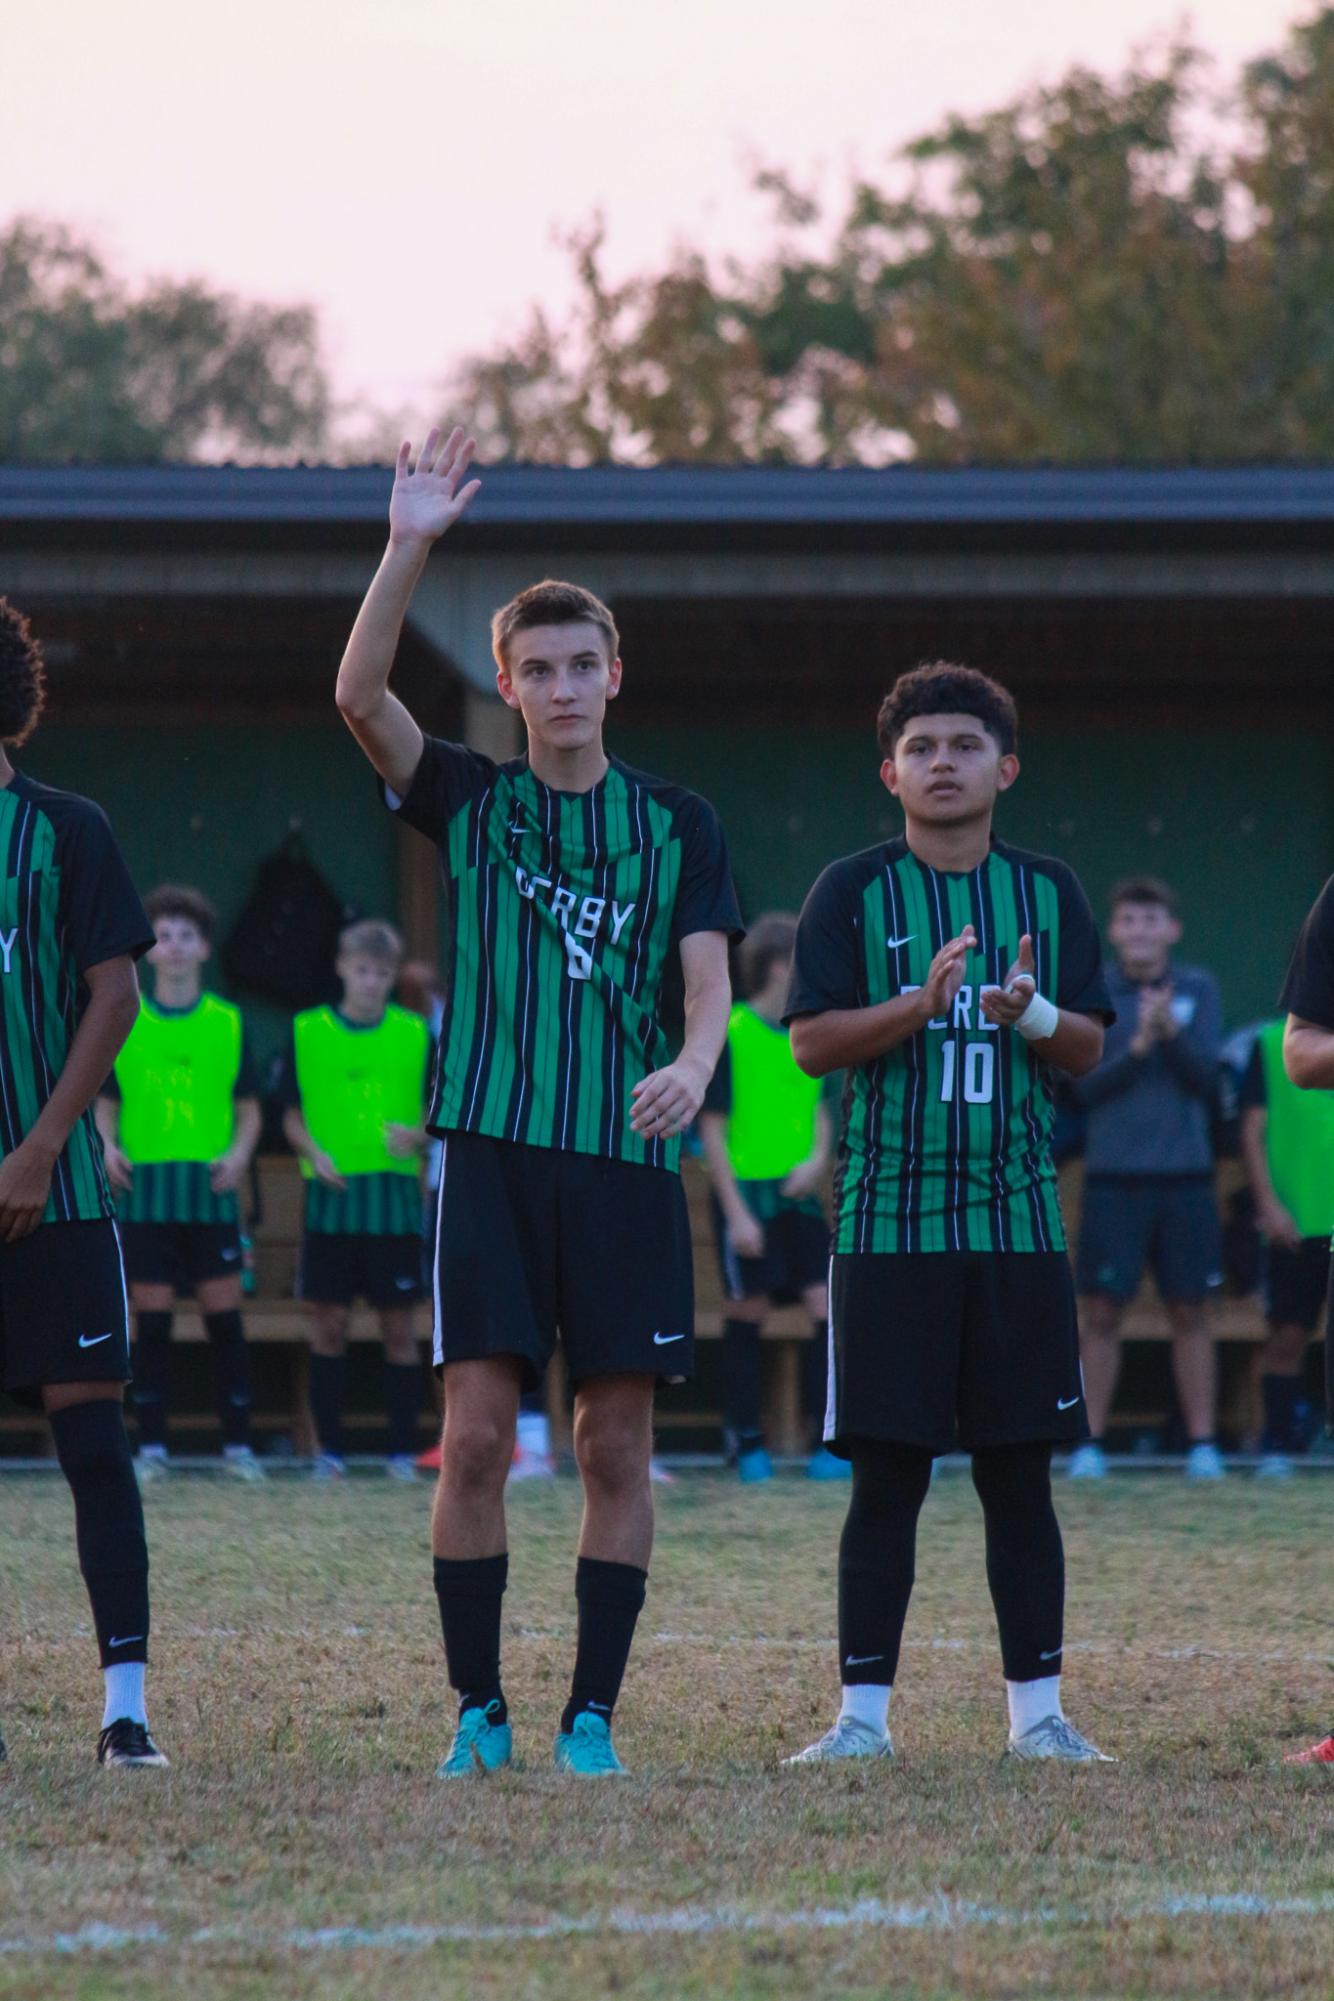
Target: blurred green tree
x: 91, y: 371
x: 1131, y: 269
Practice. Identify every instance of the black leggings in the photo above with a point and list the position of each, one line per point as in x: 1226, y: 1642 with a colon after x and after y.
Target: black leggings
x: 877, y: 1557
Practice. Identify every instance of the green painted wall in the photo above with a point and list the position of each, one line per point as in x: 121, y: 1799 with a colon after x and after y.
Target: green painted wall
x: 1242, y: 824
x: 205, y: 804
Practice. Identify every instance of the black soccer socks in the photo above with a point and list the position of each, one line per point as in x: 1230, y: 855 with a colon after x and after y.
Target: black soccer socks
x: 741, y: 1380
x: 402, y: 1402
x: 877, y: 1559
x: 610, y: 1598
x: 328, y: 1390
x: 468, y: 1591
x: 1283, y: 1396
x: 94, y: 1454
x: 1025, y: 1557
x: 152, y: 1366
x: 231, y: 1375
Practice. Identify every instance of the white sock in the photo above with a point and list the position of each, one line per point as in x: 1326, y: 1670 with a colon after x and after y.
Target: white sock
x: 125, y: 1693
x: 1031, y: 1701
x: 534, y: 1433
x: 866, y: 1702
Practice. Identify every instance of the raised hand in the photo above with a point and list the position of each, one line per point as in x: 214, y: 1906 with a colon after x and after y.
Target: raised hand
x: 429, y: 499
x: 945, y: 978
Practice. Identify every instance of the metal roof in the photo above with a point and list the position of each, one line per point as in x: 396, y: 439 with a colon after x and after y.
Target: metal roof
x: 682, y: 496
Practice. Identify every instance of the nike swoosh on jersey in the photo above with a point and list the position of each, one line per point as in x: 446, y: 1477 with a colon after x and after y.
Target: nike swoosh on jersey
x: 661, y: 1340
x: 894, y: 943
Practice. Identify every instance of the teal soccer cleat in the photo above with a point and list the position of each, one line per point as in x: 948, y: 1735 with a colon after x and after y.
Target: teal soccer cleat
x: 587, y: 1749
x: 480, y: 1746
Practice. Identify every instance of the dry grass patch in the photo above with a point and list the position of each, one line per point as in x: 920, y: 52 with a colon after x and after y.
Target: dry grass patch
x: 299, y: 1688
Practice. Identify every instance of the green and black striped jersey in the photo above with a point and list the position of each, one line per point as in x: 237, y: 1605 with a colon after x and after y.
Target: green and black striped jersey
x: 66, y: 903
x: 946, y: 1140
x: 566, y: 909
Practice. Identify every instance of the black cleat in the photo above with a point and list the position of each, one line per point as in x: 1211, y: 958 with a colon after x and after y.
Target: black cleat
x: 127, y: 1743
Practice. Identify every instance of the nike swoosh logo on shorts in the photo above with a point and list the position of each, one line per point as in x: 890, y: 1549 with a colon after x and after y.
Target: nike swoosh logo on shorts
x: 1054, y: 1655
x: 92, y: 1340
x: 1066, y: 1403
x: 894, y: 943
x: 661, y: 1340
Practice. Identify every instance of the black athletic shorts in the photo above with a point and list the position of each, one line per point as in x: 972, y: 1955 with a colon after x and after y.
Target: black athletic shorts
x: 947, y: 1349
x: 795, y: 1256
x: 1296, y: 1282
x: 180, y: 1254
x: 531, y: 1240
x: 1168, y: 1221
x: 63, y: 1314
x: 336, y: 1269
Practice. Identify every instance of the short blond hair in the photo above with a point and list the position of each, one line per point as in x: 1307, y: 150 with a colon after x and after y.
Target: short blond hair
x: 552, y: 603
x: 371, y: 938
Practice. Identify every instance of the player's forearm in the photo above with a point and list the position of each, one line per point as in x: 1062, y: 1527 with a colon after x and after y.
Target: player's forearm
x: 249, y: 1124
x: 378, y: 720
x: 1308, y: 1055
x: 297, y: 1135
x: 1075, y: 1044
x: 1109, y: 1079
x: 113, y: 1007
x: 1255, y: 1154
x: 708, y: 1003
x: 842, y: 1038
x: 712, y: 1138
x: 1195, y: 1069
x: 106, y: 1117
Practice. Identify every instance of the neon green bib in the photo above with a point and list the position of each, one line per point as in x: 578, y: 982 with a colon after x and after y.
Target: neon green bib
x: 355, y: 1080
x: 177, y: 1075
x: 1299, y: 1141
x: 772, y: 1122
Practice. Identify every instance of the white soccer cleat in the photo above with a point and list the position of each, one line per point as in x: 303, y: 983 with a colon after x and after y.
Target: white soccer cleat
x: 240, y: 1463
x: 1205, y: 1462
x: 150, y: 1467
x: 1087, y: 1462
x: 532, y: 1466
x: 401, y: 1466
x: 1274, y: 1466
x: 1057, y: 1739
x: 847, y: 1739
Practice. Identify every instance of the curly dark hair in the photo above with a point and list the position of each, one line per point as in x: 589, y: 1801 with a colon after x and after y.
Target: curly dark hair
x: 943, y: 688
x: 22, y: 676
x: 177, y: 899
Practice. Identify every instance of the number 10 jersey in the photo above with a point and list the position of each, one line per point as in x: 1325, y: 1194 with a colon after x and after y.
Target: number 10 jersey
x: 946, y: 1141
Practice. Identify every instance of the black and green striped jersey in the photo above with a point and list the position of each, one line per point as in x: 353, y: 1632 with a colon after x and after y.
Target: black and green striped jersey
x: 66, y: 903
x: 946, y: 1140
x: 371, y: 1205
x: 565, y: 912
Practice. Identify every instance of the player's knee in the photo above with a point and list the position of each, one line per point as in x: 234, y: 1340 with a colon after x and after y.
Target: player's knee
x: 476, y: 1455
x: 613, y: 1457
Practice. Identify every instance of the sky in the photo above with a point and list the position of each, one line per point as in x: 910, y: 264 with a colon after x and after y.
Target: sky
x: 406, y: 166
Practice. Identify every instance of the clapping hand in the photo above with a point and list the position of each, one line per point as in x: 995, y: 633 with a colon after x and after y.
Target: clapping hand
x: 1006, y: 1004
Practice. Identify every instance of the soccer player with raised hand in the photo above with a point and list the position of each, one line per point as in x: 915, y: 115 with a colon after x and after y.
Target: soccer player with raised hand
x: 71, y: 929
x: 952, y: 975
x: 573, y: 880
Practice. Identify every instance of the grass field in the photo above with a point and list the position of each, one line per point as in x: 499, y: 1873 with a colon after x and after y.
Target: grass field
x: 300, y: 1846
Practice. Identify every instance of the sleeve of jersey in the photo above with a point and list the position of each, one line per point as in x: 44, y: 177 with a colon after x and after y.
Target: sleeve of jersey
x: 1308, y: 990
x: 1252, y: 1095
x: 100, y: 906
x: 448, y: 775
x: 718, y: 1096
x: 1081, y: 984
x: 705, y: 896
x: 825, y: 960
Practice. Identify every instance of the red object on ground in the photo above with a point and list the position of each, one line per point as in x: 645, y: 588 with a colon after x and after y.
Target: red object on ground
x: 1319, y: 1754
x: 429, y: 1461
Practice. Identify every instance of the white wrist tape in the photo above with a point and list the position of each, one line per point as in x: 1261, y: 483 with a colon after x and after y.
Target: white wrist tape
x: 1038, y: 1019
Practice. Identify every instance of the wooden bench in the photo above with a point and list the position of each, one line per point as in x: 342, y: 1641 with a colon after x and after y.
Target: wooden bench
x: 274, y: 1319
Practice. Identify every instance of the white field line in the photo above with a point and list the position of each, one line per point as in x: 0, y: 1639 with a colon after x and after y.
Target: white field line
x: 939, y: 1914
x: 564, y: 1636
